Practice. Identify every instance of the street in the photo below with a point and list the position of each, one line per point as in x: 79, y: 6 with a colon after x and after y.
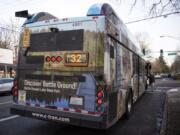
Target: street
x: 146, y: 117
x: 106, y: 67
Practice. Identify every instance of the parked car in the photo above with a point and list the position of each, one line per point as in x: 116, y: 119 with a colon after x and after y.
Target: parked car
x: 176, y: 76
x: 6, y: 84
x: 165, y: 75
x: 158, y: 76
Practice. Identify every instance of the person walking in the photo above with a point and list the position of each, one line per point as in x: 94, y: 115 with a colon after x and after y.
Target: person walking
x: 152, y: 81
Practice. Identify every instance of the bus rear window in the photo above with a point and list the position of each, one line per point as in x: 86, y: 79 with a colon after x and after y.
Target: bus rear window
x: 60, y: 41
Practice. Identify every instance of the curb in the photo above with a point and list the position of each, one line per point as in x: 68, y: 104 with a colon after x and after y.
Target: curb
x: 171, y: 116
x: 164, y: 119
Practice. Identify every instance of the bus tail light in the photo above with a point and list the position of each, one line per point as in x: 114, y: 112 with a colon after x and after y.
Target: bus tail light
x: 100, y: 94
x: 99, y: 101
x: 15, y: 90
x: 99, y: 97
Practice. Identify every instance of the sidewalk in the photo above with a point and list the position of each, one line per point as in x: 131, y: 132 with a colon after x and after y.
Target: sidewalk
x: 171, y: 119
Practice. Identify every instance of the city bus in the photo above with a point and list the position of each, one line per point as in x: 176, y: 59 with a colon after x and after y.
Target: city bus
x: 84, y: 71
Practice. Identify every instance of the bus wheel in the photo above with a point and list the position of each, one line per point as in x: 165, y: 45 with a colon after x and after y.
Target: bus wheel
x: 129, y: 104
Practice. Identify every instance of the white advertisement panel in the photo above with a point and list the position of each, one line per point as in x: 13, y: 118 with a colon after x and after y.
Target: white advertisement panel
x: 6, y: 56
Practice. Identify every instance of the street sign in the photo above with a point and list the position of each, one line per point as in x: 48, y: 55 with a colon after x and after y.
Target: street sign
x: 173, y: 53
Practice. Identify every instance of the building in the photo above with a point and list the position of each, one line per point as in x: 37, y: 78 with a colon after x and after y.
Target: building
x: 7, y: 65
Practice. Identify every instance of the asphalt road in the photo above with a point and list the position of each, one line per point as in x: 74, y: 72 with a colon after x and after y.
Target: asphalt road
x: 145, y: 120
x: 164, y: 84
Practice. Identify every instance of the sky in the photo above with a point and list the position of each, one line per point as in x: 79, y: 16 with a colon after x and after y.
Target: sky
x: 75, y: 8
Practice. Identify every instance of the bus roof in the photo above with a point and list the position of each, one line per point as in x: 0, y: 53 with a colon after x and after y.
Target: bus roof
x: 41, y: 16
x: 106, y: 10
x: 101, y: 9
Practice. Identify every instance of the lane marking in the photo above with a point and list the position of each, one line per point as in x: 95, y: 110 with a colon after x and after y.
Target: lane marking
x: 163, y: 87
x: 6, y: 103
x: 8, y: 118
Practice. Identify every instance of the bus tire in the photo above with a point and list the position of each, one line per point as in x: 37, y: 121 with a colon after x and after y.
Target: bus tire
x: 129, y: 104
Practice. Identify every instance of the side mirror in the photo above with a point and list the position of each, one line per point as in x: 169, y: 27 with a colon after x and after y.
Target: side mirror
x: 23, y: 14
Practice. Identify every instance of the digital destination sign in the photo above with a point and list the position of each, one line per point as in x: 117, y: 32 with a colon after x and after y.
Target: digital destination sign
x: 76, y: 59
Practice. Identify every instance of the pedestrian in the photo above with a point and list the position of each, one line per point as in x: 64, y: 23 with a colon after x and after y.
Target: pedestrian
x: 152, y: 81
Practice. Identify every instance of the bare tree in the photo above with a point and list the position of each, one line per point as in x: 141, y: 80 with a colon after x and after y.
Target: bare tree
x: 159, y: 6
x: 144, y: 41
x: 175, y: 67
x: 5, y: 39
x: 9, y: 35
x: 159, y: 66
x: 156, y: 7
x: 156, y: 67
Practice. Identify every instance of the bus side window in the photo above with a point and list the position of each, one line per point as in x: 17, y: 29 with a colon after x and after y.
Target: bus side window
x: 111, y: 51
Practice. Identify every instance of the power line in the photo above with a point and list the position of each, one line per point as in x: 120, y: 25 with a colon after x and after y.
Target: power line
x: 149, y: 18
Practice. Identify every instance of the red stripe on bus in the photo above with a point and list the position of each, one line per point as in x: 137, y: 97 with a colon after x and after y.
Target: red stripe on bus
x: 92, y: 113
x: 78, y: 111
x: 51, y: 107
x: 66, y: 109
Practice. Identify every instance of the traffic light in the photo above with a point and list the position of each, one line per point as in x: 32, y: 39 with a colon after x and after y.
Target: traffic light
x: 144, y: 51
x: 161, y: 52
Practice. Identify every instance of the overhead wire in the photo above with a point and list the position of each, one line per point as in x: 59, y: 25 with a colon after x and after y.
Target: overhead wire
x: 149, y: 18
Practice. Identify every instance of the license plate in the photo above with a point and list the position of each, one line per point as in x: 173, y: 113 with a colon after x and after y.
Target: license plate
x: 76, y: 101
x: 22, y: 96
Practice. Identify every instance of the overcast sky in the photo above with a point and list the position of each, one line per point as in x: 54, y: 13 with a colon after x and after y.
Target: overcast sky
x: 74, y: 8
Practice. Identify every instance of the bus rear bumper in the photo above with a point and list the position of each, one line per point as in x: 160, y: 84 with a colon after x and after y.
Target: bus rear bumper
x: 89, y: 121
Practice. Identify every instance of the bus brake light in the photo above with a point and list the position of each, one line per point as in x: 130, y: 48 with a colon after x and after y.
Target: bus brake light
x: 15, y: 88
x: 100, y: 94
x: 99, y: 101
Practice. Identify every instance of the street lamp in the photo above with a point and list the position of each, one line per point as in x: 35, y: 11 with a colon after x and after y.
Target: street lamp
x: 173, y: 37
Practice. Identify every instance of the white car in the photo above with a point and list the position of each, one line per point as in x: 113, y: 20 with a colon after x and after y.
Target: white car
x: 6, y: 84
x: 158, y: 76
